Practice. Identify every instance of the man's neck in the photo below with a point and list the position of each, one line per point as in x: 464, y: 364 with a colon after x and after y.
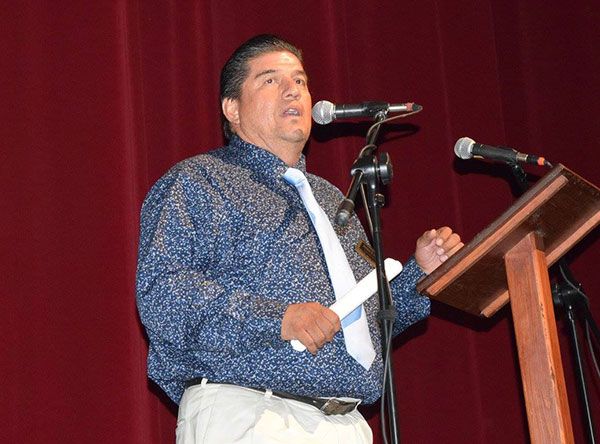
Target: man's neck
x: 288, y: 152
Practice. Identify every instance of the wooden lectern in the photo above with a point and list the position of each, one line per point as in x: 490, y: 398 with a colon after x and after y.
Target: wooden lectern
x: 509, y: 261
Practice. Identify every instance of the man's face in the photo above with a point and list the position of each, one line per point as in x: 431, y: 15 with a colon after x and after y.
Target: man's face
x: 274, y: 108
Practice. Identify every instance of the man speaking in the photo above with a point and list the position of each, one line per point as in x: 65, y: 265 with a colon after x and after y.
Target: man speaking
x: 238, y: 256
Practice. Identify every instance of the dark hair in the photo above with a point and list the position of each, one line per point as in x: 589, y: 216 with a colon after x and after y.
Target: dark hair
x: 235, y: 71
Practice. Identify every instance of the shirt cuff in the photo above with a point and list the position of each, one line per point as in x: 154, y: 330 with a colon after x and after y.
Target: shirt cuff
x: 413, y: 270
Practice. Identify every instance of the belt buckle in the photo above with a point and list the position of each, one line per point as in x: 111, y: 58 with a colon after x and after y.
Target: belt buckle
x: 335, y: 406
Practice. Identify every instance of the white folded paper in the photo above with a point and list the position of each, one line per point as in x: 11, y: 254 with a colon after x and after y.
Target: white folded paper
x: 362, y: 291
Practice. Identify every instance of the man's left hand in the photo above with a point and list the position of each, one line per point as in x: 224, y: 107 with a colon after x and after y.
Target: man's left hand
x: 435, y: 247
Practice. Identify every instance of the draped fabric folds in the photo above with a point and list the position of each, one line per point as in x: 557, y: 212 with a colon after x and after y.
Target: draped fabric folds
x: 99, y: 99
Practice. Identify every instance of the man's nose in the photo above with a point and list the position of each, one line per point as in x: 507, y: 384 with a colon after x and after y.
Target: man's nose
x: 291, y: 90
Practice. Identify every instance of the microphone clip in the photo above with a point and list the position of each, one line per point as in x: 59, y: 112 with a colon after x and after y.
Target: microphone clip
x: 367, y: 168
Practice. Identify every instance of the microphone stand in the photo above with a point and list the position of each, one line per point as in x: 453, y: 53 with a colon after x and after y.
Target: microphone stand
x: 567, y: 296
x: 367, y: 171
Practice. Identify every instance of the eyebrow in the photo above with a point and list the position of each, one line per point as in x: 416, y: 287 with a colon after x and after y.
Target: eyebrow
x: 271, y: 71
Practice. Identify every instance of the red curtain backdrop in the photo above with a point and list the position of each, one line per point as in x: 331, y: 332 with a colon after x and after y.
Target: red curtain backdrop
x: 99, y: 99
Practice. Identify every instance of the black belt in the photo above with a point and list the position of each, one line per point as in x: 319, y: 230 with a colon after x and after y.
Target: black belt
x: 329, y: 406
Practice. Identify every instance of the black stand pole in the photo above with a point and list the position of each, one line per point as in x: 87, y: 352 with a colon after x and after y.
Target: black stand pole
x: 368, y: 171
x: 387, y: 312
x: 568, y: 296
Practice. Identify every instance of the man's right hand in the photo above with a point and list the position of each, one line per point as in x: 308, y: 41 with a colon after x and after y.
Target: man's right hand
x: 310, y: 323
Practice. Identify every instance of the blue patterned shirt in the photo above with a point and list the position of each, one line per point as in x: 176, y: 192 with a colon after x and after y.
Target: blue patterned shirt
x: 226, y: 245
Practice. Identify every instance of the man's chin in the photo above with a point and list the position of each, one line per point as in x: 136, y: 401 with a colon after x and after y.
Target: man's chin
x: 296, y: 136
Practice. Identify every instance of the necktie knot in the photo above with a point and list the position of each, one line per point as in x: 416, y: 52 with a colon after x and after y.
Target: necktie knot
x: 294, y: 176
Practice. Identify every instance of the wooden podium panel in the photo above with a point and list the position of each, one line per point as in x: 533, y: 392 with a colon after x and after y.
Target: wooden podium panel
x: 540, y: 362
x: 561, y: 208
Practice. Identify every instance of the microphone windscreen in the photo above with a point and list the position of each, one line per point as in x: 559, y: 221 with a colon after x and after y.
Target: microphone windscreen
x: 323, y: 112
x: 464, y: 147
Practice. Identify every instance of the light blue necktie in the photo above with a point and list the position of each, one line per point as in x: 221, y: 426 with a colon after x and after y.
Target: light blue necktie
x: 355, y: 326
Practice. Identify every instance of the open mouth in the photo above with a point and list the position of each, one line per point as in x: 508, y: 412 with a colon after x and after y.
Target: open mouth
x: 294, y: 112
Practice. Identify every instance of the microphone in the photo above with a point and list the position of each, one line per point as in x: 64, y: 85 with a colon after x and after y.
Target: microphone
x: 325, y: 112
x: 466, y: 148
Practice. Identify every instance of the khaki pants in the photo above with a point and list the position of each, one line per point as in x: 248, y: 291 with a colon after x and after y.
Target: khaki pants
x: 223, y: 414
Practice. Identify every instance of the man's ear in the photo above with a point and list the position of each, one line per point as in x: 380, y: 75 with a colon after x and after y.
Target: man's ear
x: 230, y: 109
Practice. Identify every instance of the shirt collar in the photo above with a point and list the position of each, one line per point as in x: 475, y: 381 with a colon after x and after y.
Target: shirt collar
x: 261, y: 161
